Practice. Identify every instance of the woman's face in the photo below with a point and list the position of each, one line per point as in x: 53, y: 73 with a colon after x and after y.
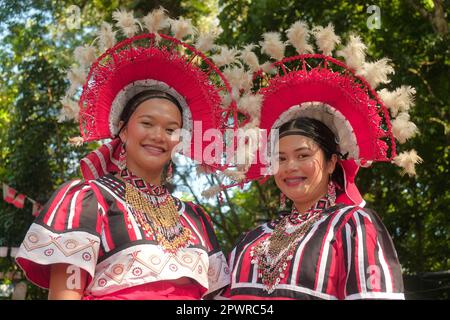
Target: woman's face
x: 149, y: 135
x: 303, y: 171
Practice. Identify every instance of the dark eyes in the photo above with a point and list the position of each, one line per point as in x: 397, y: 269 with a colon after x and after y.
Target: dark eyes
x: 148, y: 124
x: 299, y: 156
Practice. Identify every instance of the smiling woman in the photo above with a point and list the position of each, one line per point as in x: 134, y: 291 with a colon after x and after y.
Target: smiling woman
x: 148, y: 135
x: 306, y: 161
x: 330, y: 122
x: 322, y: 248
x: 119, y: 233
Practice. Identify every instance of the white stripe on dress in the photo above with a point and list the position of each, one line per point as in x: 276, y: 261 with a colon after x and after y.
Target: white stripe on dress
x: 362, y: 278
x: 72, y: 210
x: 349, y: 254
x: 384, y: 265
x: 102, y: 160
x: 52, y: 215
x: 235, y: 266
x: 113, y: 160
x: 289, y: 287
x: 91, y: 167
x: 324, y: 253
x: 376, y: 295
x: 194, y: 228
x: 299, y: 252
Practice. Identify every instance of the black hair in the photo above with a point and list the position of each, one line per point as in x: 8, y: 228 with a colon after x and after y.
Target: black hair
x: 319, y: 133
x: 142, y: 96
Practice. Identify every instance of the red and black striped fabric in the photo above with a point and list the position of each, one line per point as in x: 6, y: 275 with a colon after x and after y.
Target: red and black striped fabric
x: 347, y: 254
x: 87, y: 224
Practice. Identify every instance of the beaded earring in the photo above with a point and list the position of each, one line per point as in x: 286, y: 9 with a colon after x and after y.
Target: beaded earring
x: 331, y: 193
x: 282, y: 201
x: 123, y: 157
x: 169, y: 175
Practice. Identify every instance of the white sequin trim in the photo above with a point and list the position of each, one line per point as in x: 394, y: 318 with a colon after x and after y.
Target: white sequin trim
x: 138, y: 86
x: 331, y: 117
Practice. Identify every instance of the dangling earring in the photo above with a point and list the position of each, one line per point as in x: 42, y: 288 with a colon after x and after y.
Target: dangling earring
x: 169, y: 175
x: 123, y: 157
x: 282, y: 201
x: 331, y: 193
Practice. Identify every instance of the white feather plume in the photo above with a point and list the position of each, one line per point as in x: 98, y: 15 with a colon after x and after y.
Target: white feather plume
x: 376, y: 72
x: 405, y: 98
x: 202, y: 169
x: 156, y: 20
x: 85, y: 55
x: 298, y: 35
x: 77, y: 76
x: 234, y: 175
x: 181, y: 28
x: 407, y: 160
x: 205, y: 41
x: 254, y: 123
x: 272, y: 45
x: 225, y: 57
x: 246, y: 150
x: 400, y: 100
x: 354, y: 53
x: 76, y: 141
x: 239, y: 78
x: 72, y: 90
x: 211, y: 192
x: 250, y: 58
x: 107, y: 37
x: 326, y: 39
x: 402, y: 128
x: 267, y: 67
x: 126, y: 21
x: 69, y: 110
x: 226, y: 99
x: 251, y: 105
x: 389, y: 99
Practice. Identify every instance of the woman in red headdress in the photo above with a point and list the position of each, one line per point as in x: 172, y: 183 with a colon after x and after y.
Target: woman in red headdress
x: 328, y: 121
x: 119, y: 233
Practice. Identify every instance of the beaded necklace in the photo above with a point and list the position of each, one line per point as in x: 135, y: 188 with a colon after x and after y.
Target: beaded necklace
x: 272, y: 254
x: 155, y: 211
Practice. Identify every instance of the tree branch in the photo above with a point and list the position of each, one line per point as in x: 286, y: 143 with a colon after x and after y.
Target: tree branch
x: 233, y: 212
x: 437, y: 18
x: 264, y: 204
x: 183, y: 178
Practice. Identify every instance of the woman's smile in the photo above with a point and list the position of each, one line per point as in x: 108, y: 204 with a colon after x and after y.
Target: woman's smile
x: 294, y: 181
x: 154, y: 150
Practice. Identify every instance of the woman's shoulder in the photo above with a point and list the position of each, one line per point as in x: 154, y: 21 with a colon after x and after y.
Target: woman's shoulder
x: 360, y: 211
x: 349, y: 210
x: 195, y: 209
x: 356, y: 217
x: 71, y: 189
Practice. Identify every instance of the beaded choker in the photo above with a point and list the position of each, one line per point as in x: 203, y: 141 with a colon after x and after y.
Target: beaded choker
x: 155, y: 211
x: 272, y: 254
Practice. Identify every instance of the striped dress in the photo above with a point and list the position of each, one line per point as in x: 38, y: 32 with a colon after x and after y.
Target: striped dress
x: 87, y: 224
x: 346, y: 254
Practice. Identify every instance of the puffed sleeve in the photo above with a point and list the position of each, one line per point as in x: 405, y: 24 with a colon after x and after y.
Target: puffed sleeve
x: 218, y: 271
x: 372, y: 268
x: 68, y: 230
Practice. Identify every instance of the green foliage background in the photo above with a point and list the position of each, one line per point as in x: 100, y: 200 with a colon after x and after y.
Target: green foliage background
x: 36, y: 50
